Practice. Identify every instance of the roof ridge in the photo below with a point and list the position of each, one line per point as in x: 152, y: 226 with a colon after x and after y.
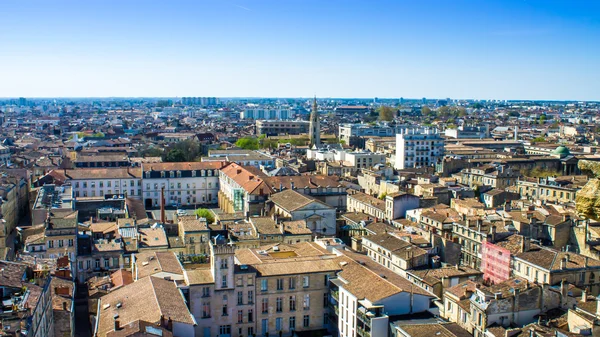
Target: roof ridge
x: 154, y: 292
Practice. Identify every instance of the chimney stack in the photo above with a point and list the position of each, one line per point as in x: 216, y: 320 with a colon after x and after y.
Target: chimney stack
x: 117, y: 324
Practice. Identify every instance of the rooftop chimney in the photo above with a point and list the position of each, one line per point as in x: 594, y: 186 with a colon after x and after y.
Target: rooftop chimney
x: 563, y: 263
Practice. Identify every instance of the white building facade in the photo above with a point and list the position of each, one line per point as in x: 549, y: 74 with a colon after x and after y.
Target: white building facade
x: 418, y: 147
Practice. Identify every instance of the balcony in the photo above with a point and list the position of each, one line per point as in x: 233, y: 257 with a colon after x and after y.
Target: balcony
x: 335, y: 295
x: 363, y: 332
x: 363, y: 317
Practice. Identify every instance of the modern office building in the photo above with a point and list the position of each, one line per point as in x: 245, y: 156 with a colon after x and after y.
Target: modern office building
x: 279, y: 114
x: 277, y: 127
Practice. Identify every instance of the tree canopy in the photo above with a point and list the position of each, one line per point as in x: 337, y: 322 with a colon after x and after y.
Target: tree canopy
x: 386, y: 113
x: 247, y: 143
x: 205, y: 213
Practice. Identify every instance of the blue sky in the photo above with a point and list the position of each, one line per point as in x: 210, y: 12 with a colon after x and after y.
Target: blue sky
x: 297, y: 48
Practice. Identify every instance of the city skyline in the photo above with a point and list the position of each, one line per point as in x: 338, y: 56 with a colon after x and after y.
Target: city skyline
x: 513, y: 50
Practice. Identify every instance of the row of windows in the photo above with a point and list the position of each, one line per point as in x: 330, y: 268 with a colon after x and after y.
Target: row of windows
x: 172, y: 174
x: 99, y: 263
x: 60, y: 243
x: 92, y: 184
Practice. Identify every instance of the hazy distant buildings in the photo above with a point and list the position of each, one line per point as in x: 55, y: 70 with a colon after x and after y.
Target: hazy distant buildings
x: 351, y: 109
x: 418, y: 147
x: 203, y: 101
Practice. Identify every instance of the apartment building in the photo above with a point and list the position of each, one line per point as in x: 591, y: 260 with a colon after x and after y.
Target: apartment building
x: 276, y: 128
x: 99, y: 182
x: 487, y: 175
x: 418, y: 148
x: 364, y: 295
x: 476, y: 307
x: 545, y: 265
x: 551, y: 189
x: 186, y: 183
x: 275, y: 289
x: 394, y: 253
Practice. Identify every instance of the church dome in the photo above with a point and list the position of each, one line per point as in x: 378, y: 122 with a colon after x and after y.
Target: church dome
x: 562, y: 151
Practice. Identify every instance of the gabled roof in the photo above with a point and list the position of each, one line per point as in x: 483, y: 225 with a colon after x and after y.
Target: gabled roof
x: 147, y: 299
x: 291, y: 200
x: 249, y: 181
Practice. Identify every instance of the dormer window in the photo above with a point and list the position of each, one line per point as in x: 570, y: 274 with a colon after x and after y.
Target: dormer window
x: 178, y: 174
x: 162, y: 174
x: 171, y: 174
x: 193, y: 173
x: 203, y: 173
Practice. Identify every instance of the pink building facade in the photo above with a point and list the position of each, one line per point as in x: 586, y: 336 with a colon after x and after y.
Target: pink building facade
x: 495, y: 263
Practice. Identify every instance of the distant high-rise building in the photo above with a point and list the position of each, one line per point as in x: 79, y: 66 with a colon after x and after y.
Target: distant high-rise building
x: 424, y: 100
x: 315, y: 128
x: 22, y: 101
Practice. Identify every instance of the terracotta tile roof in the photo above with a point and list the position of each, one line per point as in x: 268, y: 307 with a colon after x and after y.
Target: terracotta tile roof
x: 447, y: 272
x: 192, y: 224
x: 378, y: 270
x: 301, y: 182
x: 300, y: 258
x: 550, y: 259
x: 102, y: 173
x: 152, y: 237
x: 147, y: 299
x: 140, y: 329
x: 195, y: 165
x: 435, y: 329
x: 463, y: 290
x: 199, y: 276
x: 291, y: 200
x: 121, y: 278
x: 368, y: 199
x: 150, y: 263
x: 247, y: 180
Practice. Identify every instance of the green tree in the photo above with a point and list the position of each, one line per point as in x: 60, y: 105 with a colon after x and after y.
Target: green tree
x: 386, y: 113
x: 425, y: 110
x: 175, y: 155
x: 538, y: 140
x: 462, y: 112
x: 205, y: 213
x: 542, y: 119
x: 444, y: 111
x: 247, y: 143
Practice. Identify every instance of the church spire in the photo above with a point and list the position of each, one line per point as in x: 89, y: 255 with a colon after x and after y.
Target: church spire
x: 315, y: 128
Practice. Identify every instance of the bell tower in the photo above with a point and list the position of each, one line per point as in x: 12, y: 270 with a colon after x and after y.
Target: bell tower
x: 315, y: 128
